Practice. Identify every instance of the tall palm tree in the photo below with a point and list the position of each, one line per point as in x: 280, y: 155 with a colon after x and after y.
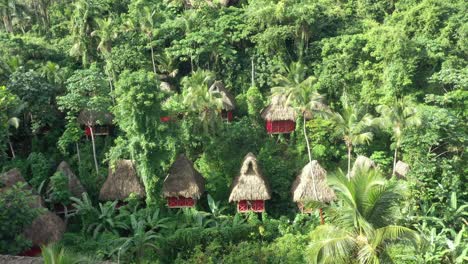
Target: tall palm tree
x: 398, y: 117
x: 106, y: 33
x: 363, y: 225
x: 299, y: 91
x: 353, y: 124
x: 197, y: 98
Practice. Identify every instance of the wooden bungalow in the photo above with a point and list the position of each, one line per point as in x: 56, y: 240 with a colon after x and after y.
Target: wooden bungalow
x: 100, y: 122
x: 121, y: 182
x: 311, y: 185
x: 184, y: 185
x: 280, y: 118
x: 250, y: 188
x: 401, y: 169
x: 74, y: 184
x: 229, y: 102
x: 362, y: 163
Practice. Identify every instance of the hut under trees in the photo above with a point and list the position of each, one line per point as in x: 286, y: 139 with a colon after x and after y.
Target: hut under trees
x: 250, y: 189
x: 311, y: 185
x: 362, y: 163
x: 10, y: 178
x: 99, y: 123
x: 183, y: 185
x: 74, y: 184
x: 401, y: 169
x: 121, y: 182
x: 229, y: 102
x: 280, y: 117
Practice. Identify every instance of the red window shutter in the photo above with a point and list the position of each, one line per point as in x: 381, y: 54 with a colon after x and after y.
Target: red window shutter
x: 258, y: 205
x: 190, y: 202
x: 242, y: 206
x: 88, y: 131
x: 172, y: 202
x: 229, y: 116
x: 165, y: 119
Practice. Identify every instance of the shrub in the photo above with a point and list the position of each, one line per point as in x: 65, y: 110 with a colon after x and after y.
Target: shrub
x: 39, y: 168
x: 14, y: 217
x: 59, y: 188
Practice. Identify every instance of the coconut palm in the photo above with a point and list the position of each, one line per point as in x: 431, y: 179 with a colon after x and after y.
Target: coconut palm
x: 299, y: 91
x: 398, y: 117
x: 363, y: 225
x: 197, y: 98
x: 352, y: 124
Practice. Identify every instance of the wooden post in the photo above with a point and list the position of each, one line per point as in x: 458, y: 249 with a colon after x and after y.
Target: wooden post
x: 322, y: 220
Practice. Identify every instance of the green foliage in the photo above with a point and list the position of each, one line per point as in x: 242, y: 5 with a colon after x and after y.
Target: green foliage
x: 38, y: 168
x: 15, y: 215
x: 59, y: 192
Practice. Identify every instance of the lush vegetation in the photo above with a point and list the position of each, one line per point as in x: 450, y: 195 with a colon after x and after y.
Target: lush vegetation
x: 383, y: 79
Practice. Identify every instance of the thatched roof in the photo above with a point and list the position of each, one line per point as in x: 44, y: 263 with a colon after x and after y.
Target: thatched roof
x: 10, y: 178
x: 45, y: 229
x: 401, y: 169
x: 278, y: 110
x: 7, y: 259
x: 229, y: 102
x: 166, y: 87
x: 250, y: 184
x: 91, y: 118
x: 183, y: 180
x: 121, y: 182
x: 303, y: 187
x: 74, y: 184
x: 362, y: 163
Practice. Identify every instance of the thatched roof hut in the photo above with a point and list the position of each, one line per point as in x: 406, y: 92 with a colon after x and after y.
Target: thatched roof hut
x: 92, y: 118
x: 250, y: 184
x: 121, y: 182
x: 303, y: 189
x: 362, y: 163
x: 278, y: 110
x: 183, y: 180
x: 10, y: 178
x: 401, y: 169
x: 45, y: 229
x: 74, y: 184
x: 229, y: 102
x: 7, y: 259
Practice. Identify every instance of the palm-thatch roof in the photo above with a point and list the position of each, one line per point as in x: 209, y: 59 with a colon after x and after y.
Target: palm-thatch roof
x: 229, y: 102
x: 121, y: 182
x: 183, y: 180
x: 74, y: 184
x: 7, y: 259
x: 401, y: 169
x: 166, y: 87
x: 303, y: 189
x: 362, y: 163
x: 92, y: 118
x: 10, y: 178
x: 45, y: 229
x: 250, y: 184
x: 278, y: 110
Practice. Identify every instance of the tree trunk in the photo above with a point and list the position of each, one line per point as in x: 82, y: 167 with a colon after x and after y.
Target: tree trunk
x: 310, y: 157
x: 322, y: 220
x: 11, y: 149
x: 349, y: 146
x: 7, y: 23
x: 94, y: 149
x: 395, y: 160
x: 152, y: 57
x: 253, y: 73
x: 78, y: 153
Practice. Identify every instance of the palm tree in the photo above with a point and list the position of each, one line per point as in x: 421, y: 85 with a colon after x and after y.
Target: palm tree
x: 364, y: 224
x: 352, y: 123
x: 397, y: 117
x: 299, y: 91
x: 197, y: 98
x: 106, y: 34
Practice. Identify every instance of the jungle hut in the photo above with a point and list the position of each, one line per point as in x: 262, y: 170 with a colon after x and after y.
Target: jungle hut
x: 10, y: 178
x: 47, y: 228
x: 401, y: 169
x: 280, y: 118
x: 74, y: 184
x: 303, y: 189
x: 229, y: 102
x: 121, y: 182
x: 100, y: 122
x: 184, y: 185
x: 250, y: 188
x: 362, y: 163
